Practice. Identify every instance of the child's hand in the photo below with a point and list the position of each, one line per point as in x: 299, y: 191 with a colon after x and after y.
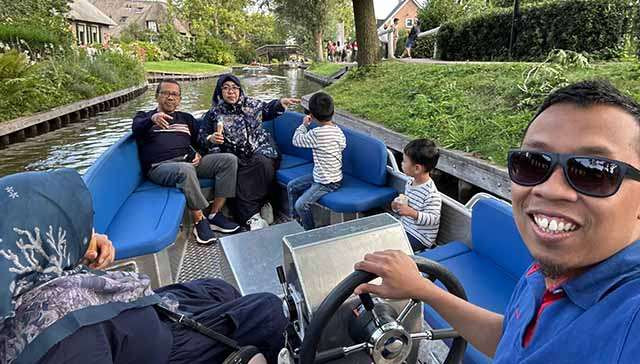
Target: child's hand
x: 394, y: 205
x: 405, y: 210
x: 307, y: 120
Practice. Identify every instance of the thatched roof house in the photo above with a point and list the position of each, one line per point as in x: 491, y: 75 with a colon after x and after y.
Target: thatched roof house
x: 147, y: 14
x: 88, y: 24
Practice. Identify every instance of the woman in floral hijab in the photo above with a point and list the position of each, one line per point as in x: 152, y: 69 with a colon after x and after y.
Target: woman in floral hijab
x: 54, y: 309
x: 240, y: 118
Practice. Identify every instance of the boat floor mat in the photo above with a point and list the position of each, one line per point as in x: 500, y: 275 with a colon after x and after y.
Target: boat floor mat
x: 208, y: 261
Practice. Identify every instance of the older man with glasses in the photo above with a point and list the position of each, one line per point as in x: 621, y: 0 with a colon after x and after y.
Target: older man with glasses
x: 576, y: 202
x: 168, y: 149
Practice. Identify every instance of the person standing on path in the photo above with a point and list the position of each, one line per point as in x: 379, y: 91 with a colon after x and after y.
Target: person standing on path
x: 411, y: 40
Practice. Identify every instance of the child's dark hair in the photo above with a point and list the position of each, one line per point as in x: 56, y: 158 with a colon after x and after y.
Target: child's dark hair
x: 424, y: 152
x: 321, y: 106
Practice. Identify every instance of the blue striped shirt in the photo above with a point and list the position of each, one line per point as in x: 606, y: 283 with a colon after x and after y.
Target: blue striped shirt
x: 426, y: 200
x: 327, y: 143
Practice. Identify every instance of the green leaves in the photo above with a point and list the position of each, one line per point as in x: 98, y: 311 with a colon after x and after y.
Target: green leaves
x: 597, y: 27
x: 26, y: 89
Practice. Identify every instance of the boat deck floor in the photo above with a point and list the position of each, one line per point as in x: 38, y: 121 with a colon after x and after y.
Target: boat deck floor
x: 209, y: 261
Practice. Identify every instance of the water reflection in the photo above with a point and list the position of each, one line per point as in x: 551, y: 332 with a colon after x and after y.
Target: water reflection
x: 79, y: 145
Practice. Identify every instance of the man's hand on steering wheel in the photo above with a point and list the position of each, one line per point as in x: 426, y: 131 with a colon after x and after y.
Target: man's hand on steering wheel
x: 400, y: 276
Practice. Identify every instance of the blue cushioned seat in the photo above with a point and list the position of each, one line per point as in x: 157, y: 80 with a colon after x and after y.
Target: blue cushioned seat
x: 140, y: 217
x: 147, y: 222
x: 489, y: 271
x: 446, y: 251
x: 206, y: 183
x: 356, y: 196
x: 284, y: 126
x: 290, y: 161
x: 364, y: 167
x: 284, y: 176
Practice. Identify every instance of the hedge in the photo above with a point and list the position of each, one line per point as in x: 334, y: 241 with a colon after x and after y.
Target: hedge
x: 34, y: 37
x: 422, y: 49
x: 595, y: 27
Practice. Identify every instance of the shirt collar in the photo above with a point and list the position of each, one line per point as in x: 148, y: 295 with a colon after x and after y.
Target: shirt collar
x: 591, y: 286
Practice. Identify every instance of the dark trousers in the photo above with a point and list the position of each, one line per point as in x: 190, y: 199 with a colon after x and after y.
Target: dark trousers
x: 255, y: 182
x: 255, y: 319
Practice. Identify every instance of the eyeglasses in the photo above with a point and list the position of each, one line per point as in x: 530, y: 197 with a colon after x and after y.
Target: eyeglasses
x: 230, y: 88
x: 589, y: 175
x: 169, y: 93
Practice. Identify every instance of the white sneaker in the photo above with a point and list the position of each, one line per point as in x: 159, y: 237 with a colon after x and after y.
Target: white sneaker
x: 256, y: 222
x: 266, y: 212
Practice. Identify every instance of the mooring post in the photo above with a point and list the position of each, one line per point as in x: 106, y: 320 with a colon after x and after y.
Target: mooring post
x: 465, y: 191
x: 55, y: 123
x: 44, y: 127
x: 4, y: 141
x: 32, y: 131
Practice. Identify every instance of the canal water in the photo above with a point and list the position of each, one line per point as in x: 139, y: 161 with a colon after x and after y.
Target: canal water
x: 79, y: 145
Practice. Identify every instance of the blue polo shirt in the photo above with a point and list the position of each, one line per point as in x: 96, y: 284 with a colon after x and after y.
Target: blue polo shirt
x: 596, y: 320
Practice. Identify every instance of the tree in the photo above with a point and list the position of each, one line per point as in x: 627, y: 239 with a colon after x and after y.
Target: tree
x: 366, y: 32
x: 342, y: 13
x: 312, y: 15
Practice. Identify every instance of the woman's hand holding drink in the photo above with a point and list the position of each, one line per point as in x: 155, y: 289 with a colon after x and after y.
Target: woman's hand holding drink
x: 218, y: 136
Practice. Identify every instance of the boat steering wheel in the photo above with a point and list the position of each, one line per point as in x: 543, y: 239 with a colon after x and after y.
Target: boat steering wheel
x: 389, y: 341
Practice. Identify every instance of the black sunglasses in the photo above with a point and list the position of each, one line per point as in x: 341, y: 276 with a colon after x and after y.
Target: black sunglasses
x: 589, y: 175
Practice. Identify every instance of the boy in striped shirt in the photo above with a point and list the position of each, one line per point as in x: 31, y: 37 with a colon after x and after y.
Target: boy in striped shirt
x: 420, y: 215
x: 327, y: 143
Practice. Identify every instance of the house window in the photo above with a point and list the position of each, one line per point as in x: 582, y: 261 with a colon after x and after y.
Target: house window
x: 81, y: 33
x: 152, y: 26
x: 123, y: 19
x: 94, y: 34
x: 408, y: 22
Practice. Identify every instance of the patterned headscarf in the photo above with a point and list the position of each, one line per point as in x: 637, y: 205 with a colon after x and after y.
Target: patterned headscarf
x: 45, y: 293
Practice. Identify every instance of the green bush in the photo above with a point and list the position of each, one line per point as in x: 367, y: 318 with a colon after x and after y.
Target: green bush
x: 36, y: 22
x: 144, y: 51
x: 34, y: 38
x: 596, y: 27
x: 212, y: 50
x: 424, y: 47
x: 26, y: 88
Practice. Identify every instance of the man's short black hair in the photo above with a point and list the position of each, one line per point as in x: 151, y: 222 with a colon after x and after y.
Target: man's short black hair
x: 590, y: 93
x: 424, y: 152
x: 321, y: 106
x: 168, y: 80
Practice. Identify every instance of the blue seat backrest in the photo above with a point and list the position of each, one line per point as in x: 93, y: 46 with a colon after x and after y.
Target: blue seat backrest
x: 268, y: 126
x: 284, y: 126
x: 495, y: 236
x: 112, y: 178
x: 365, y: 157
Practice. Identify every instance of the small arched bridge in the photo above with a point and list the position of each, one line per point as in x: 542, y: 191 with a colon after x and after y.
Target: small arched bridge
x: 277, y: 51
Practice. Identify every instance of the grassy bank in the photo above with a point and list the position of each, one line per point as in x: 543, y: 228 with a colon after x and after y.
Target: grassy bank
x: 183, y: 67
x: 325, y: 69
x: 28, y: 87
x: 473, y: 108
